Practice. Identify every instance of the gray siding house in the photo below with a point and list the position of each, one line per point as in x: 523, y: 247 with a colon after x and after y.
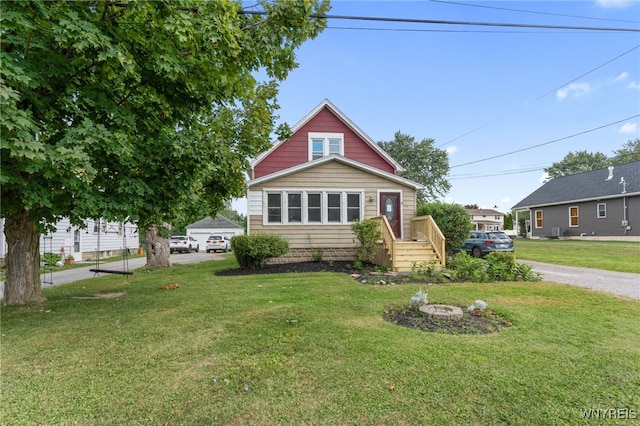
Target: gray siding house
x: 598, y: 204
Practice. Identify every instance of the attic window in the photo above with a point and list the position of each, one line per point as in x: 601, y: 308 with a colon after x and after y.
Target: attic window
x: 322, y: 144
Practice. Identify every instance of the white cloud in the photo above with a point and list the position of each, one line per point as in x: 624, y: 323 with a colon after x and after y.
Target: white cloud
x: 634, y: 85
x: 574, y: 89
x: 505, y: 200
x: 629, y: 128
x: 623, y: 76
x: 452, y: 149
x: 613, y: 3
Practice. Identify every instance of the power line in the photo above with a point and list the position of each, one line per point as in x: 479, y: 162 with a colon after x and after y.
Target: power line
x: 526, y: 104
x: 503, y: 173
x: 532, y: 11
x: 417, y: 30
x: 546, y: 143
x: 447, y: 22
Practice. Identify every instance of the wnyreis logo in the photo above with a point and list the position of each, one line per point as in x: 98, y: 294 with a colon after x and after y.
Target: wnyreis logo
x: 608, y: 413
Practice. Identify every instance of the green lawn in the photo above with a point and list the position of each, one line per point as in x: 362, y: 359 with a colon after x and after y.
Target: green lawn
x: 610, y: 255
x: 310, y: 349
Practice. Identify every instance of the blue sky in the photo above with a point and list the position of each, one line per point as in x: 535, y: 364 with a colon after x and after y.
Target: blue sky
x: 480, y: 92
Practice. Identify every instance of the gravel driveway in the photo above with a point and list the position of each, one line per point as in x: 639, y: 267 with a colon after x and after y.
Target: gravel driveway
x: 621, y: 283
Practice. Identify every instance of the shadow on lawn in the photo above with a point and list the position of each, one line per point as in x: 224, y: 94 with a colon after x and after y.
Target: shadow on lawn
x: 479, y: 323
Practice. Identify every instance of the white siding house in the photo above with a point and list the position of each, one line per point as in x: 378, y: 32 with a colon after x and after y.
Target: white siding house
x: 486, y: 219
x: 107, y: 238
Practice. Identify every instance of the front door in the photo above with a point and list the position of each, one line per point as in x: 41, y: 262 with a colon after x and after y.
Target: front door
x: 390, y: 207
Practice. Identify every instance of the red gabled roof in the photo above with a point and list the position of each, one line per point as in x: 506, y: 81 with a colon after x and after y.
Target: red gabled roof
x: 325, y: 118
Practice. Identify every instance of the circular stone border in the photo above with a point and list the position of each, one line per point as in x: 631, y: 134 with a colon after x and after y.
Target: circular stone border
x: 442, y: 311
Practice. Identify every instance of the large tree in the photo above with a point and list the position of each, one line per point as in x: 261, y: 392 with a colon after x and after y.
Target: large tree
x: 584, y: 161
x: 423, y: 163
x: 577, y: 162
x: 133, y: 109
x: 630, y: 151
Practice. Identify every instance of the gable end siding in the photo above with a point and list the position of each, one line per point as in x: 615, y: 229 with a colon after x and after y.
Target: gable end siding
x: 294, y: 151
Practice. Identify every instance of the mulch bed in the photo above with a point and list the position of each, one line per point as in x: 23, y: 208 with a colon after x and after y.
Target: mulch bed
x: 484, y: 323
x: 337, y: 266
x: 481, y: 323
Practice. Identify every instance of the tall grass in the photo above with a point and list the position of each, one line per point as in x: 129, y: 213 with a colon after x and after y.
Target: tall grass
x: 309, y: 349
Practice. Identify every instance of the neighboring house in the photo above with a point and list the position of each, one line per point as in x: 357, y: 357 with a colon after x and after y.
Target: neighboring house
x: 96, y: 237
x: 600, y: 204
x: 486, y: 219
x: 202, y: 229
x: 312, y: 187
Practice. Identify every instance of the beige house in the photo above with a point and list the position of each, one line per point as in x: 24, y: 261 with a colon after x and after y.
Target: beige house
x: 313, y: 186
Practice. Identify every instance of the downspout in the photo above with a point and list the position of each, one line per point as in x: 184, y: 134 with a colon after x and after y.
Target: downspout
x: 624, y: 215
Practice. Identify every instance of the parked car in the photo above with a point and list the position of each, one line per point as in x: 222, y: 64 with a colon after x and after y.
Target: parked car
x: 218, y: 243
x: 183, y: 244
x: 482, y: 243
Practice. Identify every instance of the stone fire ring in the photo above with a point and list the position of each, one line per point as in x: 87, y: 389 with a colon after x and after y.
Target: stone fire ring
x: 442, y: 311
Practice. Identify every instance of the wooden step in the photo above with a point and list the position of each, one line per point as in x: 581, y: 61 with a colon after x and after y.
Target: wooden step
x: 409, y: 254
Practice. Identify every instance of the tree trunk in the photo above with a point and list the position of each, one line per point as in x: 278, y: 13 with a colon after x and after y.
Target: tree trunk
x: 157, y: 248
x: 22, y: 284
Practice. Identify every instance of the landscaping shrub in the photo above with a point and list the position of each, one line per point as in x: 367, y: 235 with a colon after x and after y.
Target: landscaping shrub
x: 500, y: 266
x: 51, y: 259
x: 497, y: 266
x: 252, y: 251
x: 469, y: 268
x: 452, y: 219
x: 368, y: 233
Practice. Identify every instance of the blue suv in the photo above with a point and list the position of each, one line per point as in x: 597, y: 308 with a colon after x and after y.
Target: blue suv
x: 481, y: 243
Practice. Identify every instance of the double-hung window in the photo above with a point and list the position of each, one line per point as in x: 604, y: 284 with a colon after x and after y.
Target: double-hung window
x: 294, y: 207
x: 322, y: 144
x: 334, y: 201
x: 313, y: 207
x: 602, y: 210
x: 538, y: 217
x: 274, y: 207
x: 574, y: 217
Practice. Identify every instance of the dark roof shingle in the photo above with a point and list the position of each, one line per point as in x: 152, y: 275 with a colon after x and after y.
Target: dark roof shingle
x: 589, y: 185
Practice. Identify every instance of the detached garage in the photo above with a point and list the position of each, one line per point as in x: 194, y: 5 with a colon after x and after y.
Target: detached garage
x: 201, y: 229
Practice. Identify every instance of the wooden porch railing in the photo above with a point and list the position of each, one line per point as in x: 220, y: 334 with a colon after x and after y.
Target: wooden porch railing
x: 388, y: 239
x: 424, y: 228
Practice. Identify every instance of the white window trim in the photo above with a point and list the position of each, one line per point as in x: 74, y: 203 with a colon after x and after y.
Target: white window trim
x: 325, y: 137
x: 577, y: 216
x: 323, y: 206
x: 598, y: 211
x: 535, y: 219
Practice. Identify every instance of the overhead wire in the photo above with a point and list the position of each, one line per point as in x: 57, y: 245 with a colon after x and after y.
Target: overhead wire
x: 449, y: 22
x: 546, y: 143
x: 532, y: 11
x: 526, y: 104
